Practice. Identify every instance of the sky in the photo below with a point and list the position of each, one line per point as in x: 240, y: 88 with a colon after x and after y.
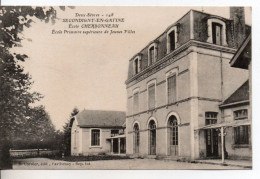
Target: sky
x: 89, y: 71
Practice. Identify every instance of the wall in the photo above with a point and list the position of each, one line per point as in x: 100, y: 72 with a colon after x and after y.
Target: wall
x: 104, y: 147
x: 74, y: 136
x: 160, y: 114
x: 235, y: 151
x: 182, y: 82
x: 209, y: 68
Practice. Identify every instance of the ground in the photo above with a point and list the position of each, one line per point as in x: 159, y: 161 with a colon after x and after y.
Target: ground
x: 137, y: 164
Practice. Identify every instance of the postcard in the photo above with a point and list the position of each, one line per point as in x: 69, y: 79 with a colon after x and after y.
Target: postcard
x: 125, y: 87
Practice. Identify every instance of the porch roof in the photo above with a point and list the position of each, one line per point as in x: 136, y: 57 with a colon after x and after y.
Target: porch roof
x: 117, y: 136
x: 227, y: 124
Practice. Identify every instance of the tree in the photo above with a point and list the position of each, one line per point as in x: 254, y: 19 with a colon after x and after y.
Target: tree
x: 15, y: 84
x: 67, y: 133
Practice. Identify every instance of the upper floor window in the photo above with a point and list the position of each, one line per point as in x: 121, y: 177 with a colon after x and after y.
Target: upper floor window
x: 241, y: 133
x: 114, y: 132
x: 240, y: 114
x: 137, y: 65
x: 152, y: 53
x: 95, y: 137
x: 217, y: 32
x: 136, y: 102
x: 172, y: 39
x: 171, y: 88
x: 151, y: 95
x: 211, y: 118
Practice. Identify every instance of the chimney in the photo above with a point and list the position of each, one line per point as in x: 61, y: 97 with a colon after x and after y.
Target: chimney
x: 237, y: 15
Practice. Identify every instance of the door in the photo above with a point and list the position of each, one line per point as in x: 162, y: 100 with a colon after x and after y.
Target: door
x: 211, y: 140
x: 115, y: 146
x: 152, y: 137
x: 173, y: 136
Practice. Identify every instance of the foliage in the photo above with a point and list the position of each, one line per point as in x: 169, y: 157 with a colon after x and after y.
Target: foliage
x: 16, y: 113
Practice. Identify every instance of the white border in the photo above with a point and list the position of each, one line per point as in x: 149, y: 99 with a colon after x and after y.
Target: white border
x: 66, y: 174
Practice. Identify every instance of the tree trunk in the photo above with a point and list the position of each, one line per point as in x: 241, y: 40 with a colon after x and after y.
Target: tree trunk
x: 5, y: 159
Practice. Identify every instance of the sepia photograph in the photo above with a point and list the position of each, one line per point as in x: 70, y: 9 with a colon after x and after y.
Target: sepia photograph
x: 125, y: 88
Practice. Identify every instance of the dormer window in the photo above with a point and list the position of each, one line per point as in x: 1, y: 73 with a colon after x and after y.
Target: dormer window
x: 152, y: 53
x: 217, y: 32
x: 172, y: 39
x: 137, y: 65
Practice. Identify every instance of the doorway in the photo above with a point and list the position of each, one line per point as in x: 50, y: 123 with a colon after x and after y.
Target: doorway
x: 152, y: 137
x: 172, y: 129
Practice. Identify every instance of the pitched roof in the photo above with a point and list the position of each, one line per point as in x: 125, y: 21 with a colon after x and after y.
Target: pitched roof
x: 98, y: 118
x: 240, y: 95
x: 243, y: 55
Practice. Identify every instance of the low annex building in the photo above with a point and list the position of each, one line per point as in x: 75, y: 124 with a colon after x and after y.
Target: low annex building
x: 97, y: 132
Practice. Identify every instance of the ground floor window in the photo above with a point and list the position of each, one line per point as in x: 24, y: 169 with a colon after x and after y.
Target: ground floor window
x: 152, y: 137
x: 241, y: 134
x: 95, y: 137
x: 136, y: 138
x: 173, y: 135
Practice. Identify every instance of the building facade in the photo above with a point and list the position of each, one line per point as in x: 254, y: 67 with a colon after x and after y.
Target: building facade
x: 177, y: 82
x: 97, y: 132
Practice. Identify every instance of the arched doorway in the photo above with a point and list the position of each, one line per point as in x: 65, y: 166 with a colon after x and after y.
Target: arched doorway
x: 172, y: 129
x: 152, y: 137
x: 136, y: 138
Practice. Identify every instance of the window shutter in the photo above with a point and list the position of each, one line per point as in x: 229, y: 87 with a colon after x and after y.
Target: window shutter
x: 151, y: 96
x: 171, y: 89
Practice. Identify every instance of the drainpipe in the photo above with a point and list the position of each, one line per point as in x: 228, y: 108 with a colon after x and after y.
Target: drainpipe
x: 221, y: 74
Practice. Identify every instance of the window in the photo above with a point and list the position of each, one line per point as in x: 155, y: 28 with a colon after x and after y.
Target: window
x: 241, y: 133
x: 152, y: 52
x: 151, y: 96
x: 151, y: 55
x: 137, y: 64
x: 217, y: 32
x: 171, y: 89
x: 136, y: 138
x: 240, y: 114
x: 172, y: 38
x: 211, y: 117
x: 114, y: 132
x: 95, y: 137
x: 136, y: 103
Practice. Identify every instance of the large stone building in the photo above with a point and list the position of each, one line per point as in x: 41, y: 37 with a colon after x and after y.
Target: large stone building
x: 178, y: 81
